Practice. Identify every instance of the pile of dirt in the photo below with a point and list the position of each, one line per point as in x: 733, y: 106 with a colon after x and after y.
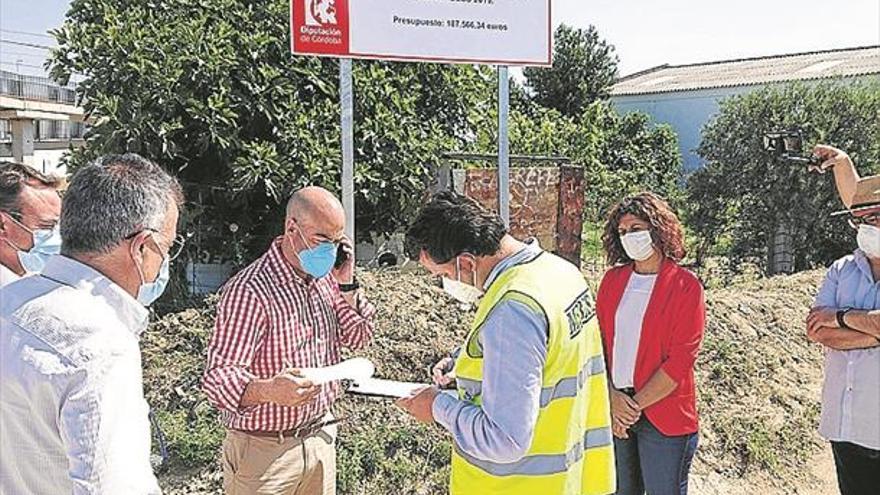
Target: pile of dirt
x: 759, y: 384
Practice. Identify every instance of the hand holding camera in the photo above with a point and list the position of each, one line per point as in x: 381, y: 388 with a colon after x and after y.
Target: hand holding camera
x: 788, y: 146
x: 829, y: 156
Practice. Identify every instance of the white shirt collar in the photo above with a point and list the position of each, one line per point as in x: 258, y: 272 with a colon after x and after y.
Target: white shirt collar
x: 7, y: 276
x: 864, y: 264
x: 70, y: 272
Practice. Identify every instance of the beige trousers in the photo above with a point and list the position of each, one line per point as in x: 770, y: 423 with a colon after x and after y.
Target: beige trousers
x: 264, y: 466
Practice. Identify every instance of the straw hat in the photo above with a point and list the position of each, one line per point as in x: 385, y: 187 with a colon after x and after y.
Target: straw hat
x: 867, y: 196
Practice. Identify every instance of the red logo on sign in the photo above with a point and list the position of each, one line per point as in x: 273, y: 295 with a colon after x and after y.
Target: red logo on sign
x: 319, y: 27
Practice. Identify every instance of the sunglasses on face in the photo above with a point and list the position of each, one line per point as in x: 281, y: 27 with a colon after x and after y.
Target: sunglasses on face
x: 872, y: 219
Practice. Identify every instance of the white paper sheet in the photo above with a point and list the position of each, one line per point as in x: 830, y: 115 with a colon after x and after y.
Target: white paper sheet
x: 351, y: 369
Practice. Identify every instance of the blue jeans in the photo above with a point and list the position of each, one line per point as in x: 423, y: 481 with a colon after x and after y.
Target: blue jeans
x: 649, y: 460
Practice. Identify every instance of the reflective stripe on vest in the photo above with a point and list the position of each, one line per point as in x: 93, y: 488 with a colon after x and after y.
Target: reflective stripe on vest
x: 543, y: 464
x: 567, y: 387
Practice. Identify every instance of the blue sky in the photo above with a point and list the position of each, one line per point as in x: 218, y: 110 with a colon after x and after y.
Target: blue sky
x: 645, y: 32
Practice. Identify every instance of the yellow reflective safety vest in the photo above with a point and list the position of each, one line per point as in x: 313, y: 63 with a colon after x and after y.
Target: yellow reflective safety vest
x: 571, y: 451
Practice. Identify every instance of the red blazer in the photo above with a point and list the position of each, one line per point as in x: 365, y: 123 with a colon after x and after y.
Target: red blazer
x: 670, y: 340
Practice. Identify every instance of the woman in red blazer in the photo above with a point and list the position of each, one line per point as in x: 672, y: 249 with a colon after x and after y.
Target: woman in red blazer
x: 652, y: 313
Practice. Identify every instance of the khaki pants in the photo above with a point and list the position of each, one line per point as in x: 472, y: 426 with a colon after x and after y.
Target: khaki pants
x: 264, y: 466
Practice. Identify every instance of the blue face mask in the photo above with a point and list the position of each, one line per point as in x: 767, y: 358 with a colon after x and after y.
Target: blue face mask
x: 150, y: 291
x: 47, y: 243
x: 317, y: 261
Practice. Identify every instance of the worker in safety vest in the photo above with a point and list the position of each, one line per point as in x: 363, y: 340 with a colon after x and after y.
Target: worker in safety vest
x: 531, y: 413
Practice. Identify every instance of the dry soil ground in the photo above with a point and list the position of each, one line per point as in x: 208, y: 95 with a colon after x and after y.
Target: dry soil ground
x: 759, y: 382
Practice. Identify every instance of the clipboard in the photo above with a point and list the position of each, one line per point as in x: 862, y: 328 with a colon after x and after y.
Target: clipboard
x: 390, y: 389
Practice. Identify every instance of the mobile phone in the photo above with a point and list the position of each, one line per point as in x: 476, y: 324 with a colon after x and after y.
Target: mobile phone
x: 341, y: 257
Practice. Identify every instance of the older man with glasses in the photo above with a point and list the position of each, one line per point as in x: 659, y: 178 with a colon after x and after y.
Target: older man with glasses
x: 73, y: 418
x: 29, y: 211
x: 846, y: 321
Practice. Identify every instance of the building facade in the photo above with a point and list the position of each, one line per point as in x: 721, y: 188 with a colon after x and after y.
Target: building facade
x: 40, y: 121
x: 687, y: 97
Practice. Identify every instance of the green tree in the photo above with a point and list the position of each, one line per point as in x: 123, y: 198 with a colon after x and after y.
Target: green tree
x: 621, y: 154
x: 584, y: 68
x: 210, y: 90
x: 743, y: 196
x: 636, y: 155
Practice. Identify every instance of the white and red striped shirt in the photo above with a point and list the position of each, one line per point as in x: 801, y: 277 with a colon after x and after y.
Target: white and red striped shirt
x: 269, y: 319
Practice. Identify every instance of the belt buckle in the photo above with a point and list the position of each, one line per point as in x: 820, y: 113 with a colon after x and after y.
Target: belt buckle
x: 317, y: 426
x: 304, y: 432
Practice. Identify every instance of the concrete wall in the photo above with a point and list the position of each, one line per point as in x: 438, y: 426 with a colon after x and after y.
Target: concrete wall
x: 49, y: 161
x: 44, y: 160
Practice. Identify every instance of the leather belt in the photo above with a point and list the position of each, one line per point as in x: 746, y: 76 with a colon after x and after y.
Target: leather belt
x: 301, y: 432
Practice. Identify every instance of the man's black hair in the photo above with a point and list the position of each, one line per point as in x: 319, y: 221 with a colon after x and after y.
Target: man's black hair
x: 452, y: 224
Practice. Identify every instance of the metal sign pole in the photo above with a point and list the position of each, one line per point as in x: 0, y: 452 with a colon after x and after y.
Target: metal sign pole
x: 503, y: 145
x: 347, y: 101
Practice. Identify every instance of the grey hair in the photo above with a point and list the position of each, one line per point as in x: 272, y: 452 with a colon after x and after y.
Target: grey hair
x: 113, y: 198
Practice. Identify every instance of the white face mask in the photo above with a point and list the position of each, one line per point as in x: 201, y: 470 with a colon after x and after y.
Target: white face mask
x: 638, y: 245
x: 460, y: 291
x: 869, y: 240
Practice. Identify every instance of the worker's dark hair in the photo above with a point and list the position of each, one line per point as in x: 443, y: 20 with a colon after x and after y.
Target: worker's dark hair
x: 14, y: 177
x: 452, y: 224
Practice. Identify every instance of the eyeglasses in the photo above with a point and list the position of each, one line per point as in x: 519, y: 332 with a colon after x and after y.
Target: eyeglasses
x: 14, y: 214
x: 19, y: 219
x: 177, y: 245
x: 872, y: 219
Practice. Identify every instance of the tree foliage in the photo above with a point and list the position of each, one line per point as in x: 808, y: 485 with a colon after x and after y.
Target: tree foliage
x: 584, y: 68
x: 210, y: 90
x: 621, y: 154
x: 743, y: 195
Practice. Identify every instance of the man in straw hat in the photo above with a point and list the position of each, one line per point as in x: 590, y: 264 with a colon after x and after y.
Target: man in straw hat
x: 846, y: 320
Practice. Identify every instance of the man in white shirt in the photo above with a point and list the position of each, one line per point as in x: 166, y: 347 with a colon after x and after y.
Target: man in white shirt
x: 29, y: 211
x: 73, y: 418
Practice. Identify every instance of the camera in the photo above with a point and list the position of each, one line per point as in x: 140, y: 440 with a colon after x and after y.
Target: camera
x: 789, y: 146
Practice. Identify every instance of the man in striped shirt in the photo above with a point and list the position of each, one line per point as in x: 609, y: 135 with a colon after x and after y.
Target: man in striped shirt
x: 292, y: 308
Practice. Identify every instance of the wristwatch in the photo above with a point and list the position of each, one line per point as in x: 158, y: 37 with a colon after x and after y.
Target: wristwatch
x: 840, y: 321
x: 353, y: 286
